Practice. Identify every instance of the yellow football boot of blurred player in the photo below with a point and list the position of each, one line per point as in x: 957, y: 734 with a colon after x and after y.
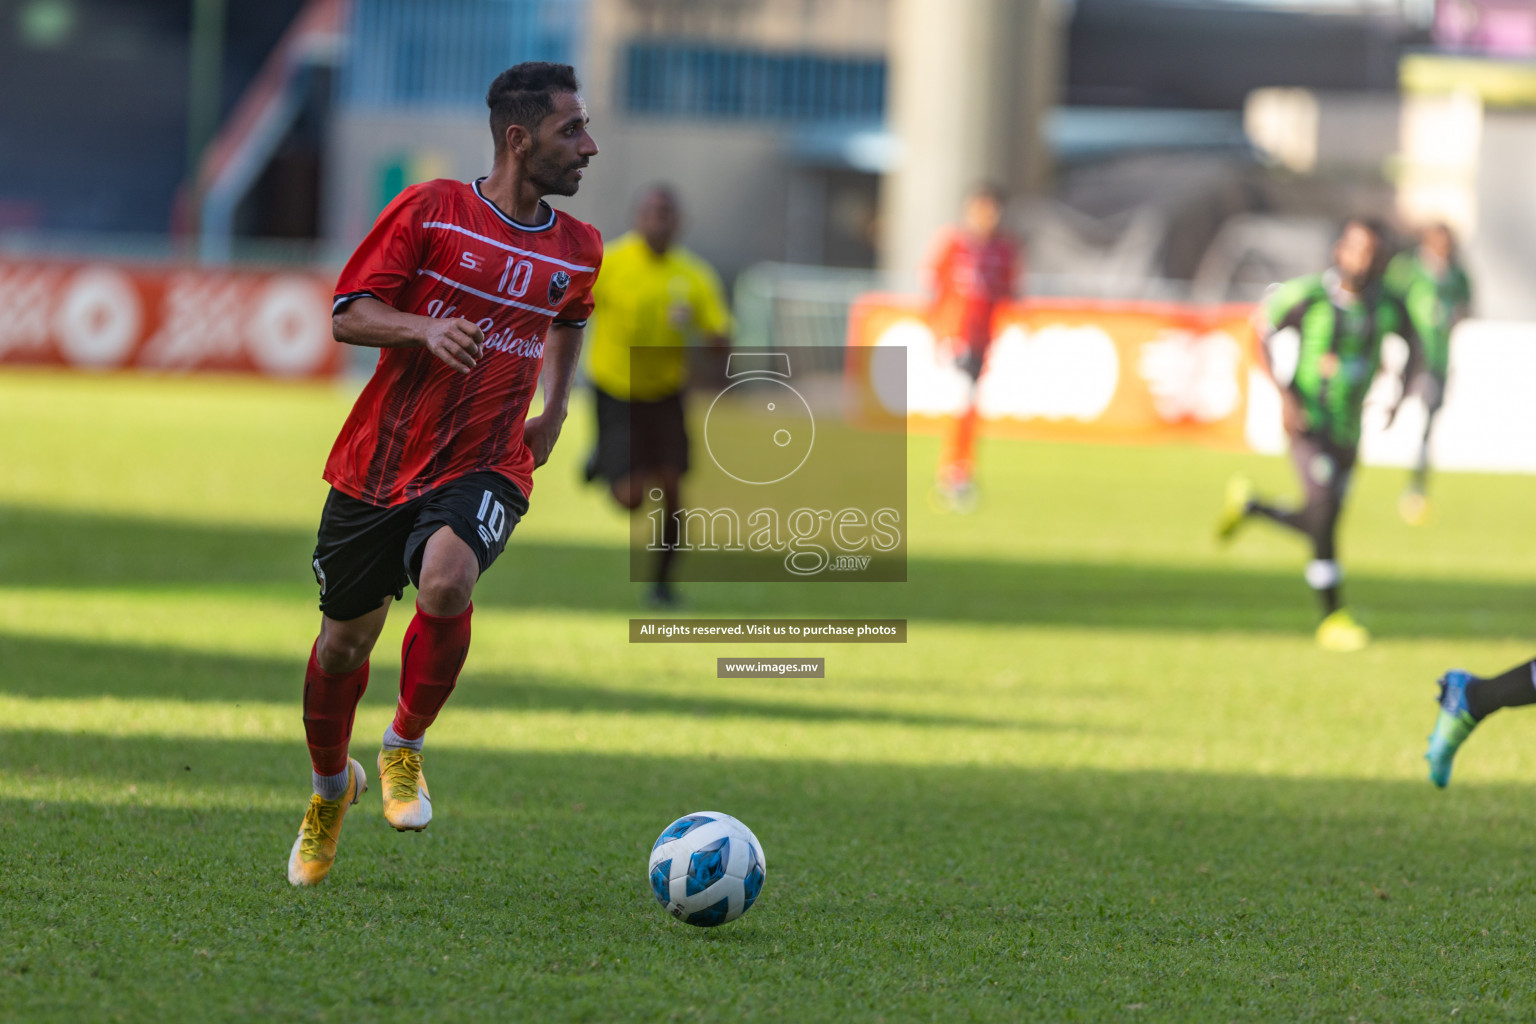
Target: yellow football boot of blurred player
x: 1340, y: 632
x: 1234, y: 508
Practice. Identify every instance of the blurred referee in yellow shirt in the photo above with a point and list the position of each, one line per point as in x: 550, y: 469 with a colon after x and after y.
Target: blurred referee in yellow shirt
x: 654, y: 294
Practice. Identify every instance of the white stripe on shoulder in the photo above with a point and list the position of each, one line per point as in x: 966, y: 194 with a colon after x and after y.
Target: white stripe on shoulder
x: 486, y: 295
x: 440, y: 225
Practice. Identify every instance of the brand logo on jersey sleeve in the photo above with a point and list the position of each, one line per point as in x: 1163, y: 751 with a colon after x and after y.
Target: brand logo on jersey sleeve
x: 558, y: 283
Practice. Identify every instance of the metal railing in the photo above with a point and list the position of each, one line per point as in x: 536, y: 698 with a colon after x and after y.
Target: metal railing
x: 793, y: 304
x: 705, y: 80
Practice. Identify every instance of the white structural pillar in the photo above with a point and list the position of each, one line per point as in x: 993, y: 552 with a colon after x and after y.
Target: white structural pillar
x: 972, y: 82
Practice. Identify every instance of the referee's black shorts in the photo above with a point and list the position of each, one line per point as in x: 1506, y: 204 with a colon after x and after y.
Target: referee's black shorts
x: 633, y: 436
x: 365, y: 554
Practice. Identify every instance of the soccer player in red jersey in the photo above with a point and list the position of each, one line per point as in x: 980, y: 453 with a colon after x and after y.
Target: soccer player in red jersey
x: 974, y: 268
x: 475, y: 293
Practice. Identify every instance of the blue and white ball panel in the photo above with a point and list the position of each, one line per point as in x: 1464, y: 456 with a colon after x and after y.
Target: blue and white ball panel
x: 707, y: 868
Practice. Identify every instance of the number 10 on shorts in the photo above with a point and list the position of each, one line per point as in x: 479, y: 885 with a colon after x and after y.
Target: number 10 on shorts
x: 493, y: 519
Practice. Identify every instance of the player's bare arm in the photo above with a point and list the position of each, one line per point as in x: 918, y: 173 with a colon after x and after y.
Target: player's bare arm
x: 1290, y: 407
x: 562, y: 351
x: 1411, y: 366
x: 373, y: 324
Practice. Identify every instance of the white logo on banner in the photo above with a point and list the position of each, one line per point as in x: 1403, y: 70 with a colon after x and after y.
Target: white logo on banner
x: 200, y: 320
x: 99, y: 319
x: 933, y: 386
x: 1192, y: 376
x: 1054, y: 372
x: 26, y: 299
x: 290, y: 327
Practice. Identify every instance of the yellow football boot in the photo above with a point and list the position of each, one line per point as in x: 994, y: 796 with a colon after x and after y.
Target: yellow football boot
x: 1414, y: 508
x: 1234, y: 508
x: 407, y: 804
x: 1340, y: 632
x: 314, y: 851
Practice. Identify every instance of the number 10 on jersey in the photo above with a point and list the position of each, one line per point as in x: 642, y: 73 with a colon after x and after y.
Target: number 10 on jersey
x: 493, y: 519
x: 515, y: 278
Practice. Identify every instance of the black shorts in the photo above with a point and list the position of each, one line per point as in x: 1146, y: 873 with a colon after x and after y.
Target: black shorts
x: 365, y: 553
x: 1431, y: 390
x: 639, y: 435
x: 970, y: 361
x: 1324, y: 466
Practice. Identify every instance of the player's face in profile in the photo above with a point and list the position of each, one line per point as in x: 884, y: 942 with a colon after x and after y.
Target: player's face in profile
x: 983, y: 214
x: 1437, y: 242
x: 1355, y: 254
x: 561, y: 147
x: 657, y: 220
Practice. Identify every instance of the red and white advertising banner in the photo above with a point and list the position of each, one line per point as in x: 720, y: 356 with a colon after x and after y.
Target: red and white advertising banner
x: 1140, y: 372
x: 1082, y: 370
x: 94, y: 315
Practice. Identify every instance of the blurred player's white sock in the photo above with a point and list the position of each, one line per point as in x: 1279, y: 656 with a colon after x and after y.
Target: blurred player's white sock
x: 330, y: 787
x: 395, y: 740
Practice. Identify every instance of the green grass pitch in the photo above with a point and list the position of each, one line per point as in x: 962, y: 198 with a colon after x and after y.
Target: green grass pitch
x: 1109, y: 777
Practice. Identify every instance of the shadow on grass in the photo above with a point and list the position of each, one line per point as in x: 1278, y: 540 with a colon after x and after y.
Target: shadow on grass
x: 1072, y: 893
x: 40, y: 548
x: 37, y: 667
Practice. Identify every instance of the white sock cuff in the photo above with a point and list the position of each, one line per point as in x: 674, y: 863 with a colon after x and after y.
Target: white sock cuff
x: 393, y: 740
x: 1323, y: 573
x: 330, y: 787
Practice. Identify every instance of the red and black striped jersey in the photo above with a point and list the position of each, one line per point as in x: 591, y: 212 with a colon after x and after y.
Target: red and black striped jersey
x: 971, y: 277
x: 441, y: 249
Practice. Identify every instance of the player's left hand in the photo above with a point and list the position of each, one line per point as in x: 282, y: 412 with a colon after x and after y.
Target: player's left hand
x: 540, y: 434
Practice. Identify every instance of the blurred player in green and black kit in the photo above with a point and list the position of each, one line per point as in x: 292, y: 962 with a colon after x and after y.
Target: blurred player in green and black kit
x: 1341, y: 316
x: 1437, y: 293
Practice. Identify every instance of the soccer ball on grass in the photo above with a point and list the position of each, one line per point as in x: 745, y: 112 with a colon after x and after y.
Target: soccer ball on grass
x: 707, y: 868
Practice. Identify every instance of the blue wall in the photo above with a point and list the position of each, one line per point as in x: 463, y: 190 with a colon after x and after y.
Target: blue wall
x: 445, y: 53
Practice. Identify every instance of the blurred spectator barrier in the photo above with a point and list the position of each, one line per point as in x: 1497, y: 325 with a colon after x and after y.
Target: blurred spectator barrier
x: 95, y: 315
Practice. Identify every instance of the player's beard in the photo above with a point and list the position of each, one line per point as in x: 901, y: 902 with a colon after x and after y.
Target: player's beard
x: 553, y: 173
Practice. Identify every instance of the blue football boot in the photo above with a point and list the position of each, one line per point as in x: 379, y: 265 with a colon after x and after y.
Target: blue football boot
x: 1452, y: 728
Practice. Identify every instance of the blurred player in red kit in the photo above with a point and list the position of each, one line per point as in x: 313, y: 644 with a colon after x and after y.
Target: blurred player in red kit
x: 476, y: 293
x: 973, y: 270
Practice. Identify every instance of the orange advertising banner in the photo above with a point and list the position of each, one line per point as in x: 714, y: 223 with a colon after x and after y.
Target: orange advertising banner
x: 95, y: 315
x: 1143, y: 372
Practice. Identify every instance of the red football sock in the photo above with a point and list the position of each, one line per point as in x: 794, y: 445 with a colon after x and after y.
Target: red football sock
x: 330, y: 702
x: 430, y: 659
x: 961, y: 454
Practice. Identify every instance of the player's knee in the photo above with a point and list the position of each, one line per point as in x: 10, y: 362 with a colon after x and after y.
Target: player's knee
x: 446, y: 592
x: 629, y: 494
x: 339, y: 654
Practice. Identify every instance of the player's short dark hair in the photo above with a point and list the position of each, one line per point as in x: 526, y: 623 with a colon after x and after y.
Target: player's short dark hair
x: 1374, y: 225
x: 525, y: 94
x: 1439, y: 227
x: 988, y: 190
x: 657, y: 188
